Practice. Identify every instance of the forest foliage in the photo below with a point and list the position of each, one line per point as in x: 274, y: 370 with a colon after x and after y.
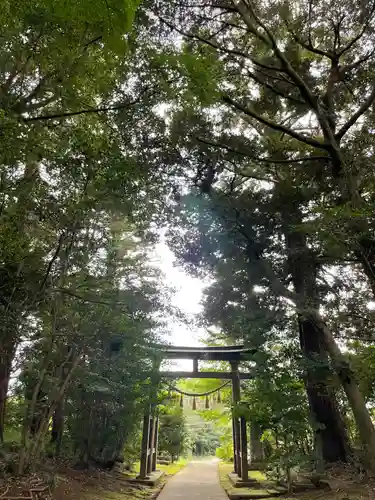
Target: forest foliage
x: 245, y: 130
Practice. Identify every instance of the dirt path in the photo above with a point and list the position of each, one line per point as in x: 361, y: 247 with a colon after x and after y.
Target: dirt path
x: 197, y: 481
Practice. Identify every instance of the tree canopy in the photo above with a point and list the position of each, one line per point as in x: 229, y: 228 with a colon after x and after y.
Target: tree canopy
x: 244, y: 131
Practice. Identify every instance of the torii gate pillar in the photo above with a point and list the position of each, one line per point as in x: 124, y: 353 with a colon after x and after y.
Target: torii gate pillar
x: 239, y: 429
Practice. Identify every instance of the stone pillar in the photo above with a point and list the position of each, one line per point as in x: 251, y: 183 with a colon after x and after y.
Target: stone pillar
x: 234, y: 445
x: 236, y: 392
x: 144, y: 445
x: 195, y: 365
x: 156, y: 443
x: 151, y: 446
x: 244, y: 459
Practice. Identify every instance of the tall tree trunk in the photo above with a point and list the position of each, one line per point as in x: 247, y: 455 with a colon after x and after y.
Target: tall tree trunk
x: 302, y: 266
x: 356, y: 400
x: 330, y: 430
x: 7, y: 352
x: 58, y: 427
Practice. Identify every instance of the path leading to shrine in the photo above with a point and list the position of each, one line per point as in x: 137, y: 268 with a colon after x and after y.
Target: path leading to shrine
x: 197, y: 481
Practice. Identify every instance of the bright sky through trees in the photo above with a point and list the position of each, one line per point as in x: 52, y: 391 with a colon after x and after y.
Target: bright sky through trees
x: 186, y: 297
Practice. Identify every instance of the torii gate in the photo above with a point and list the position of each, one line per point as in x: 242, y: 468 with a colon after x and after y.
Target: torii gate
x: 232, y: 354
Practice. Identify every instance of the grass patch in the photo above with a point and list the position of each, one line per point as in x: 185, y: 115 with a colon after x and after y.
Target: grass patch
x: 257, y: 475
x: 172, y: 469
x: 169, y: 469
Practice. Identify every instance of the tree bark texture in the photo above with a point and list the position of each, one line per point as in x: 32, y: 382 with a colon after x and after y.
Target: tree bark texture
x: 330, y: 429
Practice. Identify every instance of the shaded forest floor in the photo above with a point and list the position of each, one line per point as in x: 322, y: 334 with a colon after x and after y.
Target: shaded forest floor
x: 70, y: 484
x: 342, y: 488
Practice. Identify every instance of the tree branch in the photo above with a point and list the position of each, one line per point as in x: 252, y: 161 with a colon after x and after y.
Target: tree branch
x: 274, y: 89
x: 309, y: 21
x: 91, y: 42
x: 260, y: 159
x: 303, y: 87
x: 250, y: 176
x: 355, y: 64
x: 276, y: 285
x: 102, y: 109
x: 53, y: 259
x: 218, y: 47
x: 365, y: 106
x: 308, y: 46
x: 271, y: 41
x: 91, y: 300
x: 276, y: 126
x: 360, y: 34
x: 40, y: 104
